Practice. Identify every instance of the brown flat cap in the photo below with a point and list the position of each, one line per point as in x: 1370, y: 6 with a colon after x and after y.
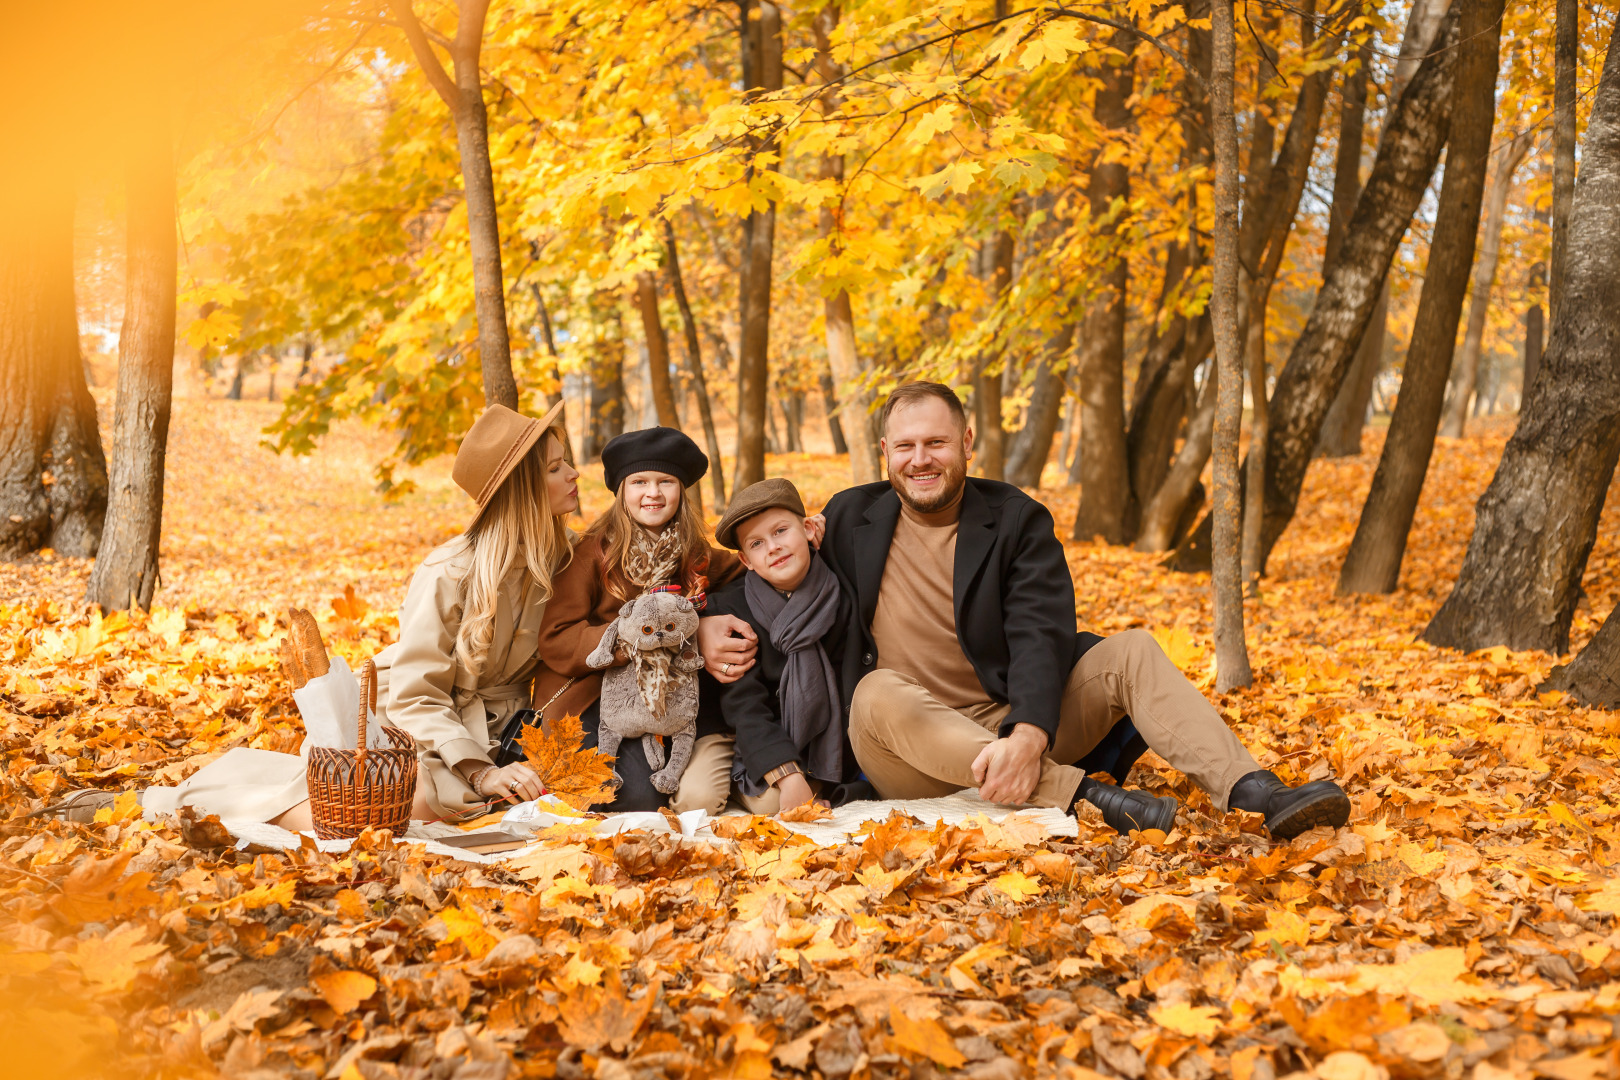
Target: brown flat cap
x: 776, y: 493
x: 492, y: 449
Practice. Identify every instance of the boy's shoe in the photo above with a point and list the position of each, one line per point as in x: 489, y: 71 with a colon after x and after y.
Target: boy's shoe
x: 1290, y: 811
x: 1126, y: 809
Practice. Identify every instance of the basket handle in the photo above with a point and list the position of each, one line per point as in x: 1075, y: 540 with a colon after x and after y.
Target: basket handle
x: 368, y: 701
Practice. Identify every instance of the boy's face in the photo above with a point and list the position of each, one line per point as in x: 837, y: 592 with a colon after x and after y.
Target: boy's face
x: 775, y: 545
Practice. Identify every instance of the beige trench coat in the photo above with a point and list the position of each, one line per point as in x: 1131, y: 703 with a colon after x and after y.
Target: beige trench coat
x: 453, y: 716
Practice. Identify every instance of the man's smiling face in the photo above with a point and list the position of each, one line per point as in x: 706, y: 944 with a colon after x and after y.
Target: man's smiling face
x: 927, y: 452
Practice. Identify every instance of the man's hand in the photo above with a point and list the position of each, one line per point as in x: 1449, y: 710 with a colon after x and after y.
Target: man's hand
x: 795, y: 791
x: 724, y: 655
x: 1009, y: 768
x: 516, y: 779
x: 815, y: 526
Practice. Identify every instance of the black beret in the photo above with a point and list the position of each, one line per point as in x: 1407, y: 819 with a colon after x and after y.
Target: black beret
x: 654, y: 449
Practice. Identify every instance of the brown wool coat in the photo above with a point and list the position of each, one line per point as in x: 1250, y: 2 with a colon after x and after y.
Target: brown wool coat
x: 578, y: 615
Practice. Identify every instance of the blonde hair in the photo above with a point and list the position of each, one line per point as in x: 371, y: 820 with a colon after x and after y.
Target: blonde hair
x: 614, y: 528
x: 517, y: 524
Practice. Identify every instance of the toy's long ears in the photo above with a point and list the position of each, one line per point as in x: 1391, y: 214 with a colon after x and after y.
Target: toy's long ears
x: 602, y: 655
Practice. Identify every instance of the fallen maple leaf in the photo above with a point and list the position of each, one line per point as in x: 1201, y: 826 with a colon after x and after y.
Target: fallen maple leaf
x: 594, y: 1017
x: 806, y: 813
x: 98, y: 891
x: 112, y: 962
x: 350, y: 608
x: 1193, y: 1021
x: 1019, y: 887
x: 924, y: 1038
x: 345, y: 990
x: 579, y: 777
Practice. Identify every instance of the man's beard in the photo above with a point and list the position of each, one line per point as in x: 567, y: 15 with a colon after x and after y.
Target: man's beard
x: 952, y: 479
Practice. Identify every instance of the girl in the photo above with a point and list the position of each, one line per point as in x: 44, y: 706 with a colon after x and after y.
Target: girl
x: 652, y: 535
x: 468, y: 631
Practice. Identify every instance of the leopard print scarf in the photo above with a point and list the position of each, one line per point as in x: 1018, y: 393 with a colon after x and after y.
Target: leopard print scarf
x: 653, y: 561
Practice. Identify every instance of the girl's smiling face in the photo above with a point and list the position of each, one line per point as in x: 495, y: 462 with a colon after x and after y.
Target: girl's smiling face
x: 651, y: 498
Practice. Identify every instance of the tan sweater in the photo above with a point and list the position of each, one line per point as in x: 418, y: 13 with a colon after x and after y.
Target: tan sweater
x: 914, y: 626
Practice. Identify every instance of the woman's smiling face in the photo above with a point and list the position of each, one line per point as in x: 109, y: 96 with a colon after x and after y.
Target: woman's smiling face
x: 651, y: 498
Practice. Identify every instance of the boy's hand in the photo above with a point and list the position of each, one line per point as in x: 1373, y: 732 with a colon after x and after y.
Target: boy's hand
x: 795, y: 791
x: 728, y: 645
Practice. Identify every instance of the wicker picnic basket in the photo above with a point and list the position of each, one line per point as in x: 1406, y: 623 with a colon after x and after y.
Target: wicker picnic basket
x: 354, y: 790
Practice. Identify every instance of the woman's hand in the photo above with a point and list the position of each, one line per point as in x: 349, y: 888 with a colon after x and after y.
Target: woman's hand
x: 514, y: 780
x: 795, y: 791
x: 726, y: 656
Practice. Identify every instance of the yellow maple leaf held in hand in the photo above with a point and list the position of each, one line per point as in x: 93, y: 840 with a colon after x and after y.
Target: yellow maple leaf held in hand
x: 579, y: 777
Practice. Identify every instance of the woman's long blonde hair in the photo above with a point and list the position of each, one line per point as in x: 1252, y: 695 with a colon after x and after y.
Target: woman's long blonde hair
x: 615, y: 529
x: 516, y: 525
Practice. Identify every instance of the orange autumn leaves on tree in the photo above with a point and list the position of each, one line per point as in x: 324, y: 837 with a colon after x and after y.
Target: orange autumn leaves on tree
x: 578, y: 776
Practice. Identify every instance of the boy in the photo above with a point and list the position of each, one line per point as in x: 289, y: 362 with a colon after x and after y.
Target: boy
x: 788, y: 743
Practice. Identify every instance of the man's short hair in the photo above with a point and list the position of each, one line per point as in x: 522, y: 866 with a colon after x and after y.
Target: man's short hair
x: 914, y: 393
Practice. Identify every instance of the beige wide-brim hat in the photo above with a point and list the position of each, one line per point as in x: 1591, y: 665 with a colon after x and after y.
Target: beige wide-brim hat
x: 492, y: 449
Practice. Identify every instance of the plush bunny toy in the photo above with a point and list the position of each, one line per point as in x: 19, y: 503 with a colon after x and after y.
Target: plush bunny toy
x: 656, y: 694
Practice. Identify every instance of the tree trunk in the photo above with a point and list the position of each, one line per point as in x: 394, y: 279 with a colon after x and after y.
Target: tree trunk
x: 829, y: 403
x: 694, y: 363
x: 1026, y: 460
x: 990, y: 446
x: 753, y: 360
x: 1347, y: 158
x: 1593, y: 677
x: 235, y: 391
x: 1466, y: 371
x: 855, y: 410
x: 53, y: 475
x: 1321, y: 355
x: 1373, y: 563
x: 1566, y: 58
x: 465, y: 97
x: 1341, y: 429
x: 126, y: 570
x: 607, y: 386
x: 663, y: 390
x: 1534, y: 333
x: 1162, y: 517
x: 1105, y: 481
x: 1254, y: 477
x: 1231, y: 651
x: 1536, y: 523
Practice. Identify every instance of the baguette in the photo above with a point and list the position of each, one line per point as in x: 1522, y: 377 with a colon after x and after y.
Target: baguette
x: 302, y: 653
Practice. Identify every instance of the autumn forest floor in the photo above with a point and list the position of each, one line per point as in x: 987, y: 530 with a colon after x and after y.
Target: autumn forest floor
x: 1463, y: 925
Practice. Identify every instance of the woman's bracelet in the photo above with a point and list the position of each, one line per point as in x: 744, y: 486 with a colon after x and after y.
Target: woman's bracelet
x: 477, y: 781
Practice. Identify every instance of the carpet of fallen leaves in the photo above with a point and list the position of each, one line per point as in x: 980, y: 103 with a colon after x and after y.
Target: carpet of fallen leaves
x: 1461, y: 926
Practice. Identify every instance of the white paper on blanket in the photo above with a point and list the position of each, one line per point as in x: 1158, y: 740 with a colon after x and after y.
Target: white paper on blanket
x: 330, y: 706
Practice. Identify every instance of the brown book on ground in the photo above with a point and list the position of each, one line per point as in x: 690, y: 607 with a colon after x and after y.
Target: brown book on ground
x: 485, y: 842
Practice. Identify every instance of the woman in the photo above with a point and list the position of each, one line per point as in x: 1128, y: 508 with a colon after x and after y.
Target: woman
x: 466, y: 651
x: 652, y: 535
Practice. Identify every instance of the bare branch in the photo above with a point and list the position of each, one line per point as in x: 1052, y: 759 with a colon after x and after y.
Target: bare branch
x: 437, y: 77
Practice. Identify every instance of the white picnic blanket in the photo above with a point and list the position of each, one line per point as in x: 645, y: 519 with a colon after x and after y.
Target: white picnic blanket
x: 848, y: 821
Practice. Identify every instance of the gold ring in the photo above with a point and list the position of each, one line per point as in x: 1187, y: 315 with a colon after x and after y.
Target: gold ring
x: 725, y: 669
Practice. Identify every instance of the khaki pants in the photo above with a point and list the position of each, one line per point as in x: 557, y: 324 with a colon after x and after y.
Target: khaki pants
x: 706, y: 783
x: 912, y: 747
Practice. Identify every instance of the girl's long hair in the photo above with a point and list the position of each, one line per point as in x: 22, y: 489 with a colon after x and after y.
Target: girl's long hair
x: 614, y: 528
x: 516, y: 525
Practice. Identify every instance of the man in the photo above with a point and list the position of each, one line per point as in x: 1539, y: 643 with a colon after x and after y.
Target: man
x: 962, y: 665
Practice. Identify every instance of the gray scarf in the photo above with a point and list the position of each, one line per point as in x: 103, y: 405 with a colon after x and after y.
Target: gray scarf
x: 809, y: 691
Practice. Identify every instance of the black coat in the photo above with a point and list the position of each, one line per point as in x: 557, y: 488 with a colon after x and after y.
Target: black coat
x: 750, y: 707
x: 1012, y: 593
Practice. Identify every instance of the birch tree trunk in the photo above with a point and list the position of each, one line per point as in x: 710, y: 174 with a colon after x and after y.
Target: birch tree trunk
x: 1466, y: 371
x: 753, y: 359
x: 1536, y: 523
x: 465, y: 96
x: 663, y: 390
x: 694, y: 363
x: 1231, y: 650
x: 1373, y: 563
x: 126, y: 570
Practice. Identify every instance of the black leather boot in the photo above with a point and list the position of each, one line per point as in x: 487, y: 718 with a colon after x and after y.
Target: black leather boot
x: 1290, y: 811
x: 1125, y: 810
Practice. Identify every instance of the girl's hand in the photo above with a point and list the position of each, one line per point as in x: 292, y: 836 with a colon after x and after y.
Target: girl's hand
x: 514, y: 780
x: 795, y: 791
